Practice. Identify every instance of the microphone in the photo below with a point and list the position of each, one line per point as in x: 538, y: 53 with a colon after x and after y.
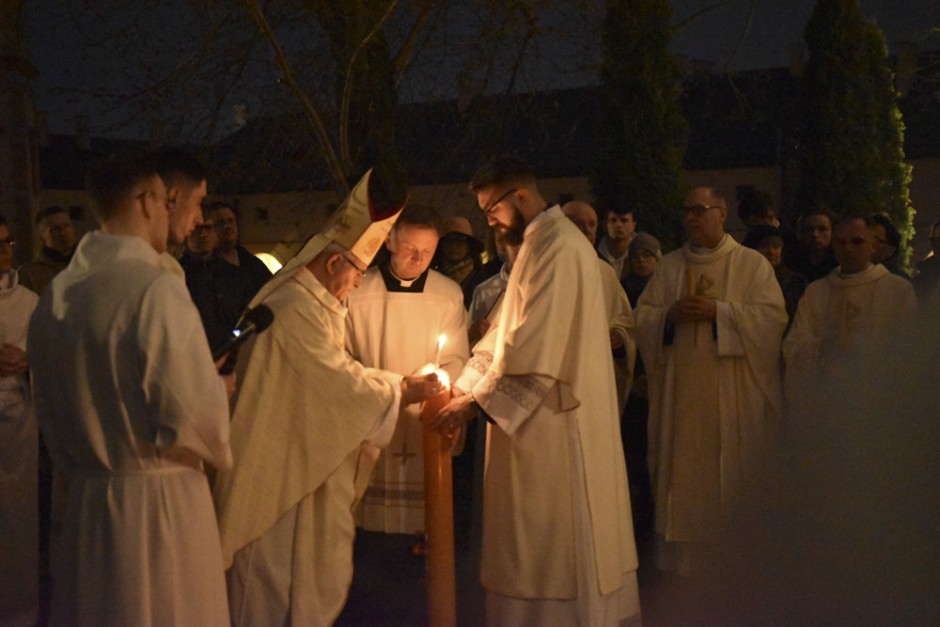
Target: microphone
x: 255, y: 321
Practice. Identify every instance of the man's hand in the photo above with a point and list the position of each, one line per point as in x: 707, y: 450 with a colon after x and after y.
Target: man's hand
x: 12, y: 360
x: 417, y: 388
x: 692, y: 309
x: 458, y: 412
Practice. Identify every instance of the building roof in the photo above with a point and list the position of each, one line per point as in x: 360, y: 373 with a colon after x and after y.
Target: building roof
x: 735, y: 120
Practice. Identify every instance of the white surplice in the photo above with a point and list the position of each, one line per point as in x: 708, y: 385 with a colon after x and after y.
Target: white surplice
x: 303, y: 410
x: 19, y: 446
x: 398, y: 331
x: 839, y: 321
x: 130, y: 404
x: 714, y: 387
x: 558, y: 542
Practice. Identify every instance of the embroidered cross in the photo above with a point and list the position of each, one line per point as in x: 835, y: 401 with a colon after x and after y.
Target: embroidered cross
x: 404, y: 453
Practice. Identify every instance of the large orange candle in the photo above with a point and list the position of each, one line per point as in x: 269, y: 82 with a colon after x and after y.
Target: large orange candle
x: 439, y: 517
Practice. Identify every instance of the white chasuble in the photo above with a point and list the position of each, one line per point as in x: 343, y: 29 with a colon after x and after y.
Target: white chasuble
x: 557, y: 530
x: 714, y: 388
x: 394, y: 326
x: 302, y: 412
x: 839, y: 322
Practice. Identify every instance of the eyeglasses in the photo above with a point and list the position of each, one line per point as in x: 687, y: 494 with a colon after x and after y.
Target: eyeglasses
x: 698, y: 210
x: 361, y: 271
x: 7, y: 244
x: 493, y: 205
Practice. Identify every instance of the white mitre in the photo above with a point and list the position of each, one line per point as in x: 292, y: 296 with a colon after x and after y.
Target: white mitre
x: 357, y: 225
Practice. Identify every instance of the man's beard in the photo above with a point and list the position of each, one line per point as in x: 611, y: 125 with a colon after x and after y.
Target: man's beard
x: 514, y: 234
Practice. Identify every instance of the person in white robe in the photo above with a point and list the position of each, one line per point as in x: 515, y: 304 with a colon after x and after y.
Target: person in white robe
x: 617, y: 305
x: 558, y: 544
x: 131, y: 406
x: 19, y: 449
x: 709, y: 326
x: 843, y: 317
x: 303, y: 411
x: 394, y: 322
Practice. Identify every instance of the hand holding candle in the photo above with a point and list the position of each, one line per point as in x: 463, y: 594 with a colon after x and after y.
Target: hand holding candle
x: 423, y: 385
x: 453, y: 416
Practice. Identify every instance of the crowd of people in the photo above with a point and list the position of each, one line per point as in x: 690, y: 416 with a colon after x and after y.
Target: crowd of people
x: 618, y: 395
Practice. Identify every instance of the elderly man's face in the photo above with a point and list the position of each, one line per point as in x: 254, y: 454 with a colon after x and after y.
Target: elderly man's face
x: 412, y: 248
x: 620, y: 226
x: 585, y: 218
x: 854, y: 244
x: 703, y: 217
x: 58, y: 233
x: 345, y: 275
x: 185, y: 211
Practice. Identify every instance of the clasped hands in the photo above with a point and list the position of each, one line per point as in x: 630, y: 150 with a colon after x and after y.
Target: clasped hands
x: 12, y: 360
x: 692, y: 309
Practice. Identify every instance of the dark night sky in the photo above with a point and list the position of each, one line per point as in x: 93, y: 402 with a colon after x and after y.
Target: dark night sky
x: 74, y: 64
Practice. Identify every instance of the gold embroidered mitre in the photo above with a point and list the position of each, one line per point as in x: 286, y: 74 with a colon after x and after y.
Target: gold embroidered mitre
x: 358, y: 225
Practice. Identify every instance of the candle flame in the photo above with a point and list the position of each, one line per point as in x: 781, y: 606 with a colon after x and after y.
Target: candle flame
x: 442, y: 375
x: 441, y: 340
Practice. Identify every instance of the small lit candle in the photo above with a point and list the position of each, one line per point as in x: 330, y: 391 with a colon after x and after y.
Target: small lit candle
x: 441, y: 340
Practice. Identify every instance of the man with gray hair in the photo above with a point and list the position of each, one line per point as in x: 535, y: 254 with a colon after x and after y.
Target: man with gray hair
x: 709, y: 325
x: 301, y: 416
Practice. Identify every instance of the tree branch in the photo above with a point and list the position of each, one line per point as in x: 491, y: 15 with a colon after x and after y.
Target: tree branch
x: 323, y: 138
x: 344, y: 151
x: 403, y: 58
x: 747, y: 27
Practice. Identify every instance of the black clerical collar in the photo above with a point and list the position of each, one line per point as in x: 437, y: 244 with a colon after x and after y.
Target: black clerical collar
x: 394, y: 284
